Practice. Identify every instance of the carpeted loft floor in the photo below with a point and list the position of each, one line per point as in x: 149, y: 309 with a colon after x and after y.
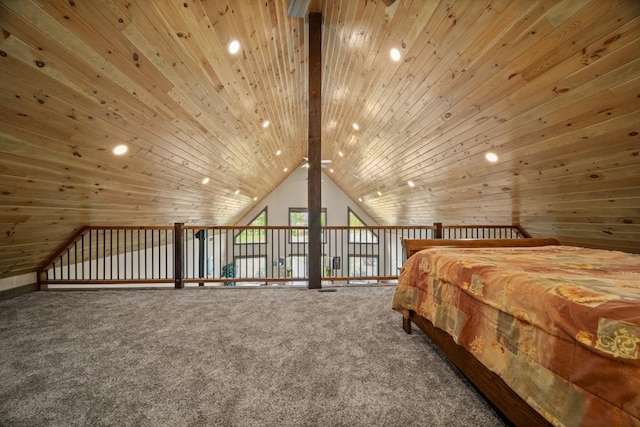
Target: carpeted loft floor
x: 259, y: 357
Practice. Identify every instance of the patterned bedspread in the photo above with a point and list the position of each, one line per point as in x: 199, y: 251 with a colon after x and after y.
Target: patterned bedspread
x: 560, y: 324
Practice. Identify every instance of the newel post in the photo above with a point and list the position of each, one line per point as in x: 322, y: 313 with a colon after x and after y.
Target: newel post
x: 177, y: 254
x: 438, y: 230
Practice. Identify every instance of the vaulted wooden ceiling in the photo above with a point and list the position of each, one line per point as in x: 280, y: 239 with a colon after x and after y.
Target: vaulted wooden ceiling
x: 552, y: 87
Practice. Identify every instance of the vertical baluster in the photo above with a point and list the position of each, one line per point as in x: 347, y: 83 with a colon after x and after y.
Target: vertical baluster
x: 159, y: 254
x: 124, y: 254
x: 153, y: 263
x: 273, y: 256
x: 68, y: 264
x: 75, y: 256
x: 90, y: 241
x: 220, y: 253
x: 139, y: 265
x: 116, y: 250
x: 82, y: 250
x: 104, y: 253
x: 131, y: 252
x: 110, y: 254
x: 145, y: 254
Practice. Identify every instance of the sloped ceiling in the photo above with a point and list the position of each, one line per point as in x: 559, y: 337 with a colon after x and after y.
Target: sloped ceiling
x: 552, y: 87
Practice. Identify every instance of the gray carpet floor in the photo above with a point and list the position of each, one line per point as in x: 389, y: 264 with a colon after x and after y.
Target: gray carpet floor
x: 241, y: 357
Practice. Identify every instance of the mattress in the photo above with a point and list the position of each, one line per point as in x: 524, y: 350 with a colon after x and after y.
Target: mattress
x: 559, y: 324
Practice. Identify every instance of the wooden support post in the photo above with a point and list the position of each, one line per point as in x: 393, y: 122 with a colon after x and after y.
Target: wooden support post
x: 202, y: 240
x: 314, y: 182
x: 438, y: 230
x: 522, y: 231
x: 42, y: 277
x: 177, y: 254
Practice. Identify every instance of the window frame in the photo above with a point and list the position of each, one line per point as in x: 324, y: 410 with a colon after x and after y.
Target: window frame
x: 305, y: 234
x: 266, y: 235
x: 352, y: 229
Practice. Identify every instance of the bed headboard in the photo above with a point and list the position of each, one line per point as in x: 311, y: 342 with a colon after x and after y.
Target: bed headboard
x: 413, y: 246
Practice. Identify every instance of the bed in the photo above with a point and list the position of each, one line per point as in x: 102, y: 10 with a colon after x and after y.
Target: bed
x: 550, y: 334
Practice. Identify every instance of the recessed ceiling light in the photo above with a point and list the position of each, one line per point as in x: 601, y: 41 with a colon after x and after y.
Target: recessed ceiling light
x: 255, y: 198
x: 237, y: 192
x: 360, y: 199
x: 234, y: 47
x: 331, y: 170
x: 286, y: 169
x: 265, y: 124
x: 492, y: 157
x: 395, y: 54
x: 120, y: 150
x: 278, y: 152
x: 411, y: 184
x: 340, y: 153
x: 379, y: 193
x: 205, y: 180
x: 356, y: 126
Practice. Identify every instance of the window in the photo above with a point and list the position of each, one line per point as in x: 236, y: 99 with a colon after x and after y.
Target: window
x: 251, y: 267
x: 360, y: 235
x: 363, y: 266
x: 248, y: 237
x: 297, y: 266
x: 299, y: 217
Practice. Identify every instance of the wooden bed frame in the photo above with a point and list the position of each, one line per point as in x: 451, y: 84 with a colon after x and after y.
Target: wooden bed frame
x: 512, y: 406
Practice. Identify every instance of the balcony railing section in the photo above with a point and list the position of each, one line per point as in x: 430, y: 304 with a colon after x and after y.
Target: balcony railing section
x: 242, y: 256
x: 104, y: 255
x: 279, y: 255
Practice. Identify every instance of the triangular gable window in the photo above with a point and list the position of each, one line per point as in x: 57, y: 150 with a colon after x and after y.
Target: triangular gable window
x: 254, y: 236
x: 359, y: 235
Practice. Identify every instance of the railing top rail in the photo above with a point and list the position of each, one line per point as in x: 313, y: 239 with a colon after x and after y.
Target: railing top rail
x: 129, y: 227
x: 288, y: 227
x: 480, y: 226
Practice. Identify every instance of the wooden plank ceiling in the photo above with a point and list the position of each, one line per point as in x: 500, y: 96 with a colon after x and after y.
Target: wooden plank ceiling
x: 552, y: 87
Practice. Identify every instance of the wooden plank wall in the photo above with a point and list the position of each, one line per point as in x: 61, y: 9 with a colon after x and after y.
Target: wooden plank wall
x: 552, y: 87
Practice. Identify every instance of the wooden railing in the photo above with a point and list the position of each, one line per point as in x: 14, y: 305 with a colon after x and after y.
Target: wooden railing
x: 235, y: 256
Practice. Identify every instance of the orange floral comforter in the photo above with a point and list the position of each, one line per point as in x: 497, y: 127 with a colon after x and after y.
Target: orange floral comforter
x: 560, y: 324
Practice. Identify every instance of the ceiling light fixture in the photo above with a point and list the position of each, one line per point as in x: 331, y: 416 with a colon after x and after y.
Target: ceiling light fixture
x: 492, y: 157
x: 360, y: 199
x: 234, y: 47
x: 120, y: 150
x: 255, y: 198
x: 286, y: 169
x: 331, y: 170
x: 356, y: 126
x: 278, y: 152
x: 205, y: 180
x: 395, y: 54
x: 340, y: 153
x: 237, y: 192
x: 265, y: 124
x: 379, y: 193
x: 411, y: 184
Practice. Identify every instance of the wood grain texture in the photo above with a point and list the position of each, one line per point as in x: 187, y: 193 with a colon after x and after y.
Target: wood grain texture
x: 411, y: 246
x: 552, y: 87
